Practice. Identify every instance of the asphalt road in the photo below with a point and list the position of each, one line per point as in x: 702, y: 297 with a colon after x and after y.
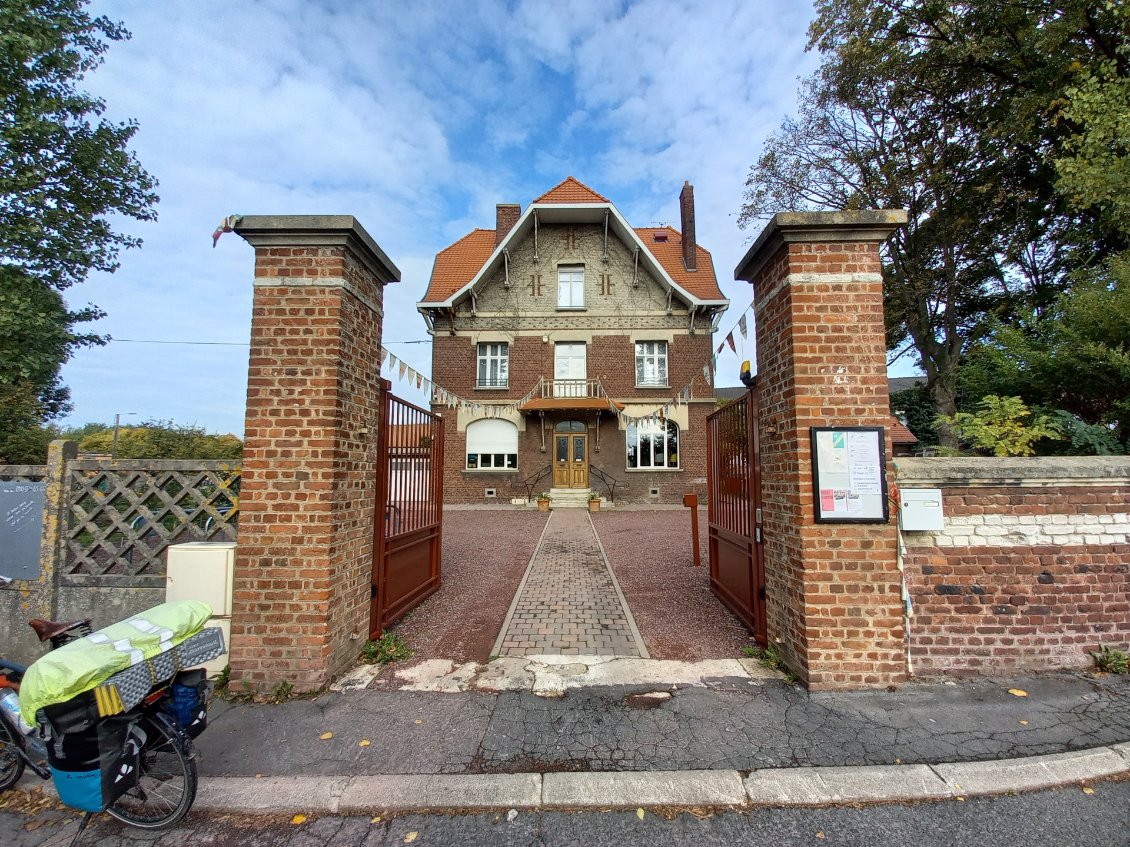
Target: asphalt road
x: 1058, y: 818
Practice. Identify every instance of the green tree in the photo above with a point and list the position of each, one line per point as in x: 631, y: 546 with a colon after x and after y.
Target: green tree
x: 1002, y: 426
x: 65, y: 171
x: 162, y: 440
x: 957, y: 113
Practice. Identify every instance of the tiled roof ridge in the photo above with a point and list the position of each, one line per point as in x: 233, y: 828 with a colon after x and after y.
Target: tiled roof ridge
x: 571, y: 182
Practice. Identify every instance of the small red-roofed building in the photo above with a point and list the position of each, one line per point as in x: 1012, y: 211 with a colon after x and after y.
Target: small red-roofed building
x: 569, y: 350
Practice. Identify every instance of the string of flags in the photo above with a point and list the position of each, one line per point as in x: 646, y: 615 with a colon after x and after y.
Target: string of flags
x: 443, y: 397
x: 742, y: 327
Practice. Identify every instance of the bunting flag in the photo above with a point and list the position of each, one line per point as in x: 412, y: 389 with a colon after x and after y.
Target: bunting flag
x: 730, y: 341
x: 384, y: 355
x: 403, y: 368
x: 742, y: 326
x: 391, y: 361
x: 720, y: 346
x: 419, y: 381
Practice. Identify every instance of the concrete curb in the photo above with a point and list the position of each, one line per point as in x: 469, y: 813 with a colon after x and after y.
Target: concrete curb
x: 631, y: 789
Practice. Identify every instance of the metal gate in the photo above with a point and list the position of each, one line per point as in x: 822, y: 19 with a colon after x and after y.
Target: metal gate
x: 737, y: 573
x: 408, y: 519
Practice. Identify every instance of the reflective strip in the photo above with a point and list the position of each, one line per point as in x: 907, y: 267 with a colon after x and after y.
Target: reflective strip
x: 165, y: 635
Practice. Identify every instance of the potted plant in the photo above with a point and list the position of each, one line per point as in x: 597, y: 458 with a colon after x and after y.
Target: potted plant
x: 543, y: 501
x: 594, y: 501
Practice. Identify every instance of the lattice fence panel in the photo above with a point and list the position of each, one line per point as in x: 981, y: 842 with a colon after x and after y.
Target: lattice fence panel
x: 123, y: 515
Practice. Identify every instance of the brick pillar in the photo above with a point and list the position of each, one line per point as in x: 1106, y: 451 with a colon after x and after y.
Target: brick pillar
x: 833, y: 591
x: 301, y: 599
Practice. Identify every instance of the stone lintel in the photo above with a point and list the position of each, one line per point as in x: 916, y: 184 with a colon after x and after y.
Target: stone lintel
x: 1013, y: 472
x: 319, y: 231
x: 815, y: 227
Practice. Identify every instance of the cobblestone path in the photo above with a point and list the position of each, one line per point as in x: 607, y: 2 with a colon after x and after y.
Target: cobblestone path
x: 568, y: 603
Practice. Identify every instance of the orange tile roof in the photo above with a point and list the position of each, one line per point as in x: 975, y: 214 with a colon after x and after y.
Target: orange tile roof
x: 571, y: 190
x: 899, y: 433
x: 701, y: 283
x: 457, y: 265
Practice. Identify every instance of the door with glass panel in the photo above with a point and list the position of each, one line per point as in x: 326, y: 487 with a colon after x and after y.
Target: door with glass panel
x: 569, y: 369
x: 570, y: 455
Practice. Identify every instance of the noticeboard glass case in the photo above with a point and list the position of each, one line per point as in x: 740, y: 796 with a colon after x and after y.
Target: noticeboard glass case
x: 849, y: 479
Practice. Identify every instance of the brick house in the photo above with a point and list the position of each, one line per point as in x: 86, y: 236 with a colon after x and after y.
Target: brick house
x: 568, y: 334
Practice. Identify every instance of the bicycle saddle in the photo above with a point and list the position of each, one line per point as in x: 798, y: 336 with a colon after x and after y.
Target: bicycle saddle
x: 50, y: 629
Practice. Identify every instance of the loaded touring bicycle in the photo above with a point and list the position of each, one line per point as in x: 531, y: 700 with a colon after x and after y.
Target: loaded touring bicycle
x: 110, y: 715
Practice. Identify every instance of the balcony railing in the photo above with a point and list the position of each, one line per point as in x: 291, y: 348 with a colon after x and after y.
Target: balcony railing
x: 571, y: 388
x: 496, y: 382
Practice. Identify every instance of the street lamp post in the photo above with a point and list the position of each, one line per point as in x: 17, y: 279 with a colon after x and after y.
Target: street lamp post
x: 117, y: 424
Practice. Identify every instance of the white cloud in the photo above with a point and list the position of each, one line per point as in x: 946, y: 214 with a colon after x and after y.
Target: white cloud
x: 417, y: 119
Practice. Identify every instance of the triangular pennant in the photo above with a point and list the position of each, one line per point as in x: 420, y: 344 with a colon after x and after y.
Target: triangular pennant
x: 720, y: 346
x: 419, y: 381
x: 403, y: 368
x: 384, y: 355
x: 742, y: 326
x: 730, y: 341
x: 391, y: 361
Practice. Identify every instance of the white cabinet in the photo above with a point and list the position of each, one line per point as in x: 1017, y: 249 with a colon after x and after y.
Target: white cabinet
x: 203, y: 570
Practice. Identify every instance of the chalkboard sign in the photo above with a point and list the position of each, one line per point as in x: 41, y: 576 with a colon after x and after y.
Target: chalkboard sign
x: 21, y: 525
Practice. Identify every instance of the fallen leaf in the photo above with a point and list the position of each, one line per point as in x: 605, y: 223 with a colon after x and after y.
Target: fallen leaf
x: 364, y: 742
x: 297, y: 819
x: 820, y: 835
x: 1018, y: 692
x: 512, y: 814
x: 377, y: 819
x: 258, y: 776
x: 410, y: 837
x: 1088, y: 790
x: 1023, y: 723
x: 326, y: 736
x: 960, y: 799
x: 418, y: 723
x: 639, y: 814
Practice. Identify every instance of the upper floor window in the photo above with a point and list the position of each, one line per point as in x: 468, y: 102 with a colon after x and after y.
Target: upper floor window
x: 571, y: 287
x: 494, y: 365
x: 651, y: 364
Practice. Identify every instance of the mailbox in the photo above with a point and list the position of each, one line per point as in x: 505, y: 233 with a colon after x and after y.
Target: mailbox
x: 920, y: 509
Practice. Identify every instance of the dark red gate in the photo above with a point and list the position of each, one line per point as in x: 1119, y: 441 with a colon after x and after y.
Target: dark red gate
x: 408, y: 520
x: 737, y: 574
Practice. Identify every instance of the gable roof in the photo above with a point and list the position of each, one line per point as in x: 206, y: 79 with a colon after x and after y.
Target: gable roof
x: 456, y: 265
x: 701, y: 283
x: 466, y: 262
x: 571, y: 190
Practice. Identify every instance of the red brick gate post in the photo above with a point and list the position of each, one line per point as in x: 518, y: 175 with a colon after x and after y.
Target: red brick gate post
x: 833, y: 591
x: 302, y: 574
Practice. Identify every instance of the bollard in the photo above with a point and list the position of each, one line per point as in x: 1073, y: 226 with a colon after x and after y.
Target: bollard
x: 691, y: 502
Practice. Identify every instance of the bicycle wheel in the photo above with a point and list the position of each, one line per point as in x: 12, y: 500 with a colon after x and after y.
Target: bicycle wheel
x: 167, y: 779
x: 11, y: 762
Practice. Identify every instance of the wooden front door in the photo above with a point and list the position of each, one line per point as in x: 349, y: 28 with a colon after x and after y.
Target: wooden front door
x: 570, y: 460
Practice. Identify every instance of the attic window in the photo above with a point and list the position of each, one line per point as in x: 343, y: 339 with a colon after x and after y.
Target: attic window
x: 660, y: 237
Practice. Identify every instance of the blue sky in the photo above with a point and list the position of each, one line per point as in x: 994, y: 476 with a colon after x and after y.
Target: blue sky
x: 417, y: 118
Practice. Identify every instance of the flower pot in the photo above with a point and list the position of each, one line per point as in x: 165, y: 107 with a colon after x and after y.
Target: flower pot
x: 543, y: 505
x: 594, y: 505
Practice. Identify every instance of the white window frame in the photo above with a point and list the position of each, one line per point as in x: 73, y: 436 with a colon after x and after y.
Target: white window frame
x: 570, y: 286
x: 493, y: 443
x: 651, y: 428
x: 652, y: 356
x: 496, y: 354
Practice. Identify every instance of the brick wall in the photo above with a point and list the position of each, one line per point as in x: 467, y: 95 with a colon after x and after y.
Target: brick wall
x: 301, y: 595
x: 611, y: 358
x: 832, y: 590
x: 1032, y: 570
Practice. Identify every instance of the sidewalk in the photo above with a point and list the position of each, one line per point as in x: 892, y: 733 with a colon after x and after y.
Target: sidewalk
x: 721, y: 741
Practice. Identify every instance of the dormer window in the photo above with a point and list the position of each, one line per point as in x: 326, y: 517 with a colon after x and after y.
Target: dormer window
x: 660, y: 238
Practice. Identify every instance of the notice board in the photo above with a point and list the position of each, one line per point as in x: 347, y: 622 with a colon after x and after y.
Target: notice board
x: 21, y: 525
x: 848, y: 474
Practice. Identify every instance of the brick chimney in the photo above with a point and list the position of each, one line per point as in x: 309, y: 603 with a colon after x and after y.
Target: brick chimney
x: 506, y: 215
x: 686, y: 210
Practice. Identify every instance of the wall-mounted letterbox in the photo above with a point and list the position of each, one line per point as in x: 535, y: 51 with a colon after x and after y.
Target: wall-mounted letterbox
x: 921, y: 509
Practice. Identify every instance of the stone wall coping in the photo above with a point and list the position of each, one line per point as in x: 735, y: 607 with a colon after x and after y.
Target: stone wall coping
x: 318, y: 231
x: 1017, y: 472
x: 814, y: 227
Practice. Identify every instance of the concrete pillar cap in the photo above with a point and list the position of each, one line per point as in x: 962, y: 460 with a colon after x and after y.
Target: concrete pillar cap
x: 874, y: 225
x: 319, y: 231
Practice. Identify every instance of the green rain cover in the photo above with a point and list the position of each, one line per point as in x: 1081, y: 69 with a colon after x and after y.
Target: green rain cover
x: 86, y: 663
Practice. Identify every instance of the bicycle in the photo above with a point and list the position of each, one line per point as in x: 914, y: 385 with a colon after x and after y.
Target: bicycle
x: 163, y: 785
